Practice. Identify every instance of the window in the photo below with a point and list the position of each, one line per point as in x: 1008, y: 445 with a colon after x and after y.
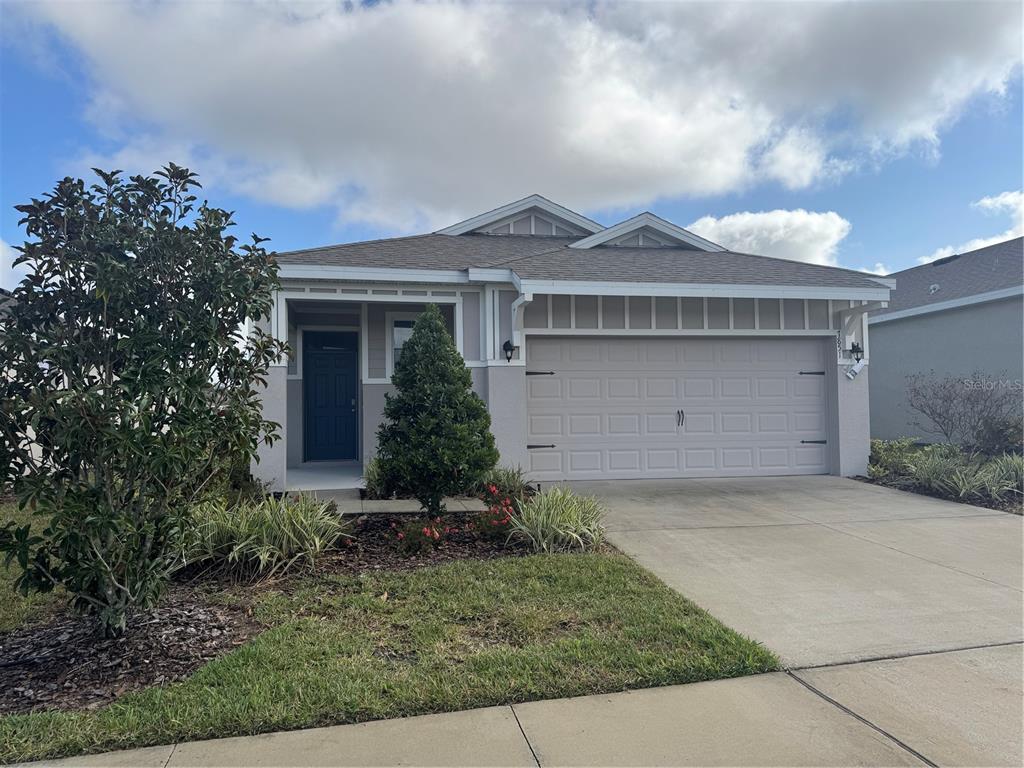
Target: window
x: 399, y: 329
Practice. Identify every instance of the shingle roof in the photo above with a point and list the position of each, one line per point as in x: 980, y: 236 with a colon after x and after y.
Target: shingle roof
x: 550, y: 258
x: 967, y: 274
x: 427, y: 251
x: 681, y: 265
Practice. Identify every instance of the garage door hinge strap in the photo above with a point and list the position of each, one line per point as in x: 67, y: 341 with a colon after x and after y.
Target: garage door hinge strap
x: 540, y: 373
x: 812, y: 373
x: 533, y: 445
x: 816, y: 442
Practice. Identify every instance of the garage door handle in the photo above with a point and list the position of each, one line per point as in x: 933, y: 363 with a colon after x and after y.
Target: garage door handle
x: 540, y: 373
x: 534, y: 445
x: 812, y: 373
x: 816, y: 442
x: 680, y: 417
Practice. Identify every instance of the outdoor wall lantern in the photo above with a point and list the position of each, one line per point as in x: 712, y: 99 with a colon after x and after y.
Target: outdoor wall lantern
x: 856, y: 351
x: 509, y: 349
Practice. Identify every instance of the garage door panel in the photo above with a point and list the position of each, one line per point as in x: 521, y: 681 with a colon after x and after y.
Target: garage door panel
x: 619, y: 389
x: 746, y: 407
x: 659, y: 387
x: 544, y: 388
x: 773, y: 458
x: 732, y: 387
x: 544, y: 425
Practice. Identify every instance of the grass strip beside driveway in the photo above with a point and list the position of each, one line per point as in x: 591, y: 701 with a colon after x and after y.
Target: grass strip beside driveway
x: 345, y: 649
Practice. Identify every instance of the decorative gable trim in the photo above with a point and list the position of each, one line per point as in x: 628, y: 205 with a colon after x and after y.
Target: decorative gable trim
x: 508, y: 212
x: 647, y: 221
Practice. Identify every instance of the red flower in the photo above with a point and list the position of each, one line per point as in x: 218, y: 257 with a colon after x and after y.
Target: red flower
x: 401, y: 535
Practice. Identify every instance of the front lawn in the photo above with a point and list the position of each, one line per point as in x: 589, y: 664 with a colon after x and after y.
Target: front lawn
x: 344, y: 648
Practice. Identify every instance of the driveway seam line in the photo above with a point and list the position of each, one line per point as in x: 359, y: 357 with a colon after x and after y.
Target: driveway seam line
x: 170, y: 754
x: 863, y: 719
x: 919, y: 557
x: 908, y: 655
x: 525, y: 737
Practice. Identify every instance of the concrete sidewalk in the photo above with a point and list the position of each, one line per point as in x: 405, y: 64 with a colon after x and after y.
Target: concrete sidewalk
x: 852, y: 714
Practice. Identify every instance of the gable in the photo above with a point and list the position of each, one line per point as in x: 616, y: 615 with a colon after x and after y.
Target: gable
x: 533, y: 215
x: 647, y: 230
x: 533, y: 221
x: 646, y: 237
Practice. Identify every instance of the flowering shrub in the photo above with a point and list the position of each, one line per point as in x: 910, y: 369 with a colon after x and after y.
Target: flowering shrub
x: 494, y: 522
x: 418, y: 537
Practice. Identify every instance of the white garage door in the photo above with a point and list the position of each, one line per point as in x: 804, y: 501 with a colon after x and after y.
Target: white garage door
x: 620, y: 408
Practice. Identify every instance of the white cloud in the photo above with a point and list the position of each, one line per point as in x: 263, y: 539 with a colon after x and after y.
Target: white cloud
x: 798, y: 235
x: 879, y: 269
x: 1009, y: 203
x: 796, y: 160
x: 10, y: 275
x: 406, y: 115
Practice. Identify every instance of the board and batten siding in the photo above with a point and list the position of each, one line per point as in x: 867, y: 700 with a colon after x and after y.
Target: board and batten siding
x: 560, y: 312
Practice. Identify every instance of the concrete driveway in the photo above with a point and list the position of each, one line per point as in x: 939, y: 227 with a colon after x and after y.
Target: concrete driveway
x: 828, y: 572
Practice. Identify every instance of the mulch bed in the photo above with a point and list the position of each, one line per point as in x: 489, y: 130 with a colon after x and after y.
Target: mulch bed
x: 65, y: 664
x: 374, y: 546
x: 62, y: 663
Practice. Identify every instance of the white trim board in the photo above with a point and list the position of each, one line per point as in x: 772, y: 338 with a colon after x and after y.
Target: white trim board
x: 518, y: 206
x: 966, y: 301
x: 641, y: 332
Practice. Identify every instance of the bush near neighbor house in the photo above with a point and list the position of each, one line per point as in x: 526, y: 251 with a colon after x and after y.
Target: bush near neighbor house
x: 126, y: 381
x: 258, y: 539
x: 979, y: 413
x: 948, y: 472
x: 435, y: 440
x: 558, y: 520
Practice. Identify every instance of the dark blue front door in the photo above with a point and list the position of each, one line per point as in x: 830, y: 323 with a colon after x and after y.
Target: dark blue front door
x: 331, y: 395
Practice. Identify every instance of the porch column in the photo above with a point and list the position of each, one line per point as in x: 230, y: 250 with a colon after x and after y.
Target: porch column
x: 273, y: 459
x: 272, y: 466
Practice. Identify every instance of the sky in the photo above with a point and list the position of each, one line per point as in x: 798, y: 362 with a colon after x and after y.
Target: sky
x: 868, y: 135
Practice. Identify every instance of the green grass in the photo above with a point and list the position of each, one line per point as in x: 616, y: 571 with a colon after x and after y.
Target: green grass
x: 466, y: 634
x: 16, y: 610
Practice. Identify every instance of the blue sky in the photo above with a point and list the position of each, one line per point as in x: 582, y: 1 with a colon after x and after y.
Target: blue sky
x: 330, y: 125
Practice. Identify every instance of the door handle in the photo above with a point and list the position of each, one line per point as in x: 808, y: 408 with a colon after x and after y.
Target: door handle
x: 680, y: 417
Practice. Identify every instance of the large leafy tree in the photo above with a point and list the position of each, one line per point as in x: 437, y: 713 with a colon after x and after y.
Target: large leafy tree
x: 126, y: 380
x: 435, y: 440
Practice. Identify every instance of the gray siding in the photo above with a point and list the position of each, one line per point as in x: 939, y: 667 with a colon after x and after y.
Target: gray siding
x: 957, y: 342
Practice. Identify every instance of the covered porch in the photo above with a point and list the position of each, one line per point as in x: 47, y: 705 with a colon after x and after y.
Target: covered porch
x: 328, y: 394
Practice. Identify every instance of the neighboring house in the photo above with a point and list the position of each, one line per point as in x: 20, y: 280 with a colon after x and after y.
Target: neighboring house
x: 638, y: 350
x: 956, y: 316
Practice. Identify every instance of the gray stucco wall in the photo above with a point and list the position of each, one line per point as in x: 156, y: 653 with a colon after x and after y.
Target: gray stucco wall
x: 957, y: 342
x: 372, y: 410
x: 273, y: 459
x: 294, y: 436
x: 849, y: 420
x: 506, y: 400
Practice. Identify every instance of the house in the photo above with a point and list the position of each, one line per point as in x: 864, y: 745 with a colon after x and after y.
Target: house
x: 637, y: 350
x: 956, y: 316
